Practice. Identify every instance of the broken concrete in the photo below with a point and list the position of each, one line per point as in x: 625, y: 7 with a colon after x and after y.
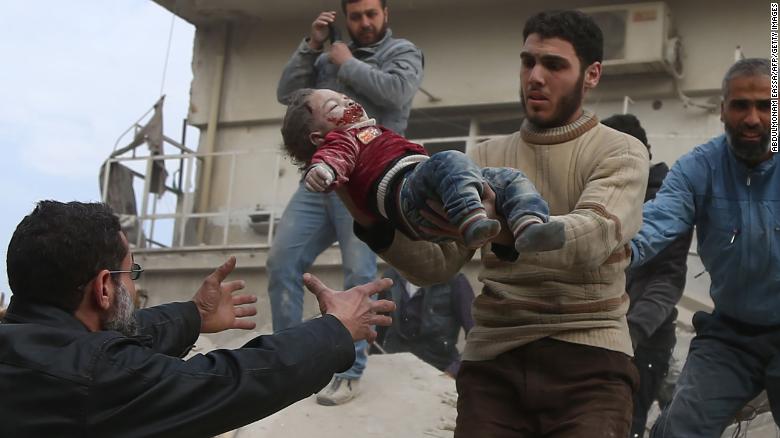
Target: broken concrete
x: 401, y: 396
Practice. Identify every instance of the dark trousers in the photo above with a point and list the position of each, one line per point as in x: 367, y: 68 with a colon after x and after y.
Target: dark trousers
x: 653, y: 365
x: 547, y: 388
x: 728, y: 365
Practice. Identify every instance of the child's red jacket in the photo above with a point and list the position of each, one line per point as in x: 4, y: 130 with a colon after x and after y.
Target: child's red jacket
x: 360, y: 157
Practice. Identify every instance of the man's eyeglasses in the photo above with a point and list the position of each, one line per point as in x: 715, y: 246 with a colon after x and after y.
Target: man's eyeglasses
x: 135, y: 271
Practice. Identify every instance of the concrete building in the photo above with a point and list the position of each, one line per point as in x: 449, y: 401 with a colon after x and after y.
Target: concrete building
x: 665, y: 64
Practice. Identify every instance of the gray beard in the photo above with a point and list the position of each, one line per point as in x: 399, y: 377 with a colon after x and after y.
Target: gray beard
x: 749, y: 152
x: 121, y: 316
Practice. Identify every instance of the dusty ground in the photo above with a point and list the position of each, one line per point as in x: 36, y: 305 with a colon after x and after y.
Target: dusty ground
x: 401, y: 396
x: 405, y: 397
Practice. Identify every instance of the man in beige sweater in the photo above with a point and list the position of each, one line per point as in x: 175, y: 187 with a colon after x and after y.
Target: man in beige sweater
x: 550, y: 352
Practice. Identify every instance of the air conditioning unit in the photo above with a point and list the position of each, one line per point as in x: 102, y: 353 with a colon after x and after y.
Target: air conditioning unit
x: 638, y: 38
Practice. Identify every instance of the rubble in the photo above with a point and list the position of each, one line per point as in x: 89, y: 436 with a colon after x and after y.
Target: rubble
x: 401, y: 396
x: 755, y: 420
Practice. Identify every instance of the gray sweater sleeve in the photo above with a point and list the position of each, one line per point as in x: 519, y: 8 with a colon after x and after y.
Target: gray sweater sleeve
x: 391, y: 84
x: 299, y: 72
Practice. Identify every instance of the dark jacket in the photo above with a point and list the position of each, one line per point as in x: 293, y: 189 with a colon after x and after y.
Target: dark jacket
x: 656, y: 287
x: 59, y: 379
x: 428, y: 324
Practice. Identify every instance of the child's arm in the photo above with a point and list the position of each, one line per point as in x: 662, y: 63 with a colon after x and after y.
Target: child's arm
x: 318, y: 177
x: 339, y: 152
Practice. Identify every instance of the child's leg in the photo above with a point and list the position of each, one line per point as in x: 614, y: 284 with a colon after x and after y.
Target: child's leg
x: 456, y: 181
x: 516, y: 198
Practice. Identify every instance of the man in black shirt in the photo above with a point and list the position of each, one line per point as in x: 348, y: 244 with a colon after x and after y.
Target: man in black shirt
x: 76, y: 360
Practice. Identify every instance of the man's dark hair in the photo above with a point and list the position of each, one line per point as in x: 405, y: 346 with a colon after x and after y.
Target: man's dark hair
x: 298, y: 123
x: 59, y: 248
x: 345, y: 2
x: 573, y: 26
x: 629, y: 124
x: 742, y: 68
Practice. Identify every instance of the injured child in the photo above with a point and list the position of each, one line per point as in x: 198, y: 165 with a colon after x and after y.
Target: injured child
x: 390, y: 178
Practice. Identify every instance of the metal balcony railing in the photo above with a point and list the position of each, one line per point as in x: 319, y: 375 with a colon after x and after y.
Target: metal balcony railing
x: 186, y: 214
x: 142, y: 225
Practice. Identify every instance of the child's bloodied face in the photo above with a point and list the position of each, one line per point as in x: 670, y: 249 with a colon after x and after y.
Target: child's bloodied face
x: 332, y: 110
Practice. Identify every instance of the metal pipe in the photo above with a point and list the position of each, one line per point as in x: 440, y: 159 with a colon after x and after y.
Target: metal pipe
x: 107, y: 169
x: 187, y: 202
x: 626, y: 100
x: 153, y: 219
x: 181, y: 160
x: 145, y: 199
x: 272, y: 215
x: 204, y: 186
x: 229, y: 198
x: 471, y: 140
x: 431, y: 97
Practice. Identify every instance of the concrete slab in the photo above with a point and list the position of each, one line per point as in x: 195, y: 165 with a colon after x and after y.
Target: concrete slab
x: 401, y: 396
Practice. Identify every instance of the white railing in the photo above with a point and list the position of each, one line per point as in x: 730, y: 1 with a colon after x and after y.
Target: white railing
x: 181, y: 235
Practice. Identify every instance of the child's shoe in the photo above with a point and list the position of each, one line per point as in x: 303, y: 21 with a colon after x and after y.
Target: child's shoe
x: 541, y: 237
x: 477, y: 229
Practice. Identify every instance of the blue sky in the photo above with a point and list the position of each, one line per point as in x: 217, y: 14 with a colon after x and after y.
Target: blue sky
x: 73, y: 77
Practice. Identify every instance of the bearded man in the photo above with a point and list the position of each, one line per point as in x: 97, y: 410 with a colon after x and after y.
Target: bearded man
x: 550, y: 351
x: 382, y: 73
x: 77, y: 360
x: 729, y: 189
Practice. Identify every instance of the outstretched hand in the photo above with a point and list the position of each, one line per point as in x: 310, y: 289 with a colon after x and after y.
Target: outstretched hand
x: 353, y: 307
x: 219, y: 308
